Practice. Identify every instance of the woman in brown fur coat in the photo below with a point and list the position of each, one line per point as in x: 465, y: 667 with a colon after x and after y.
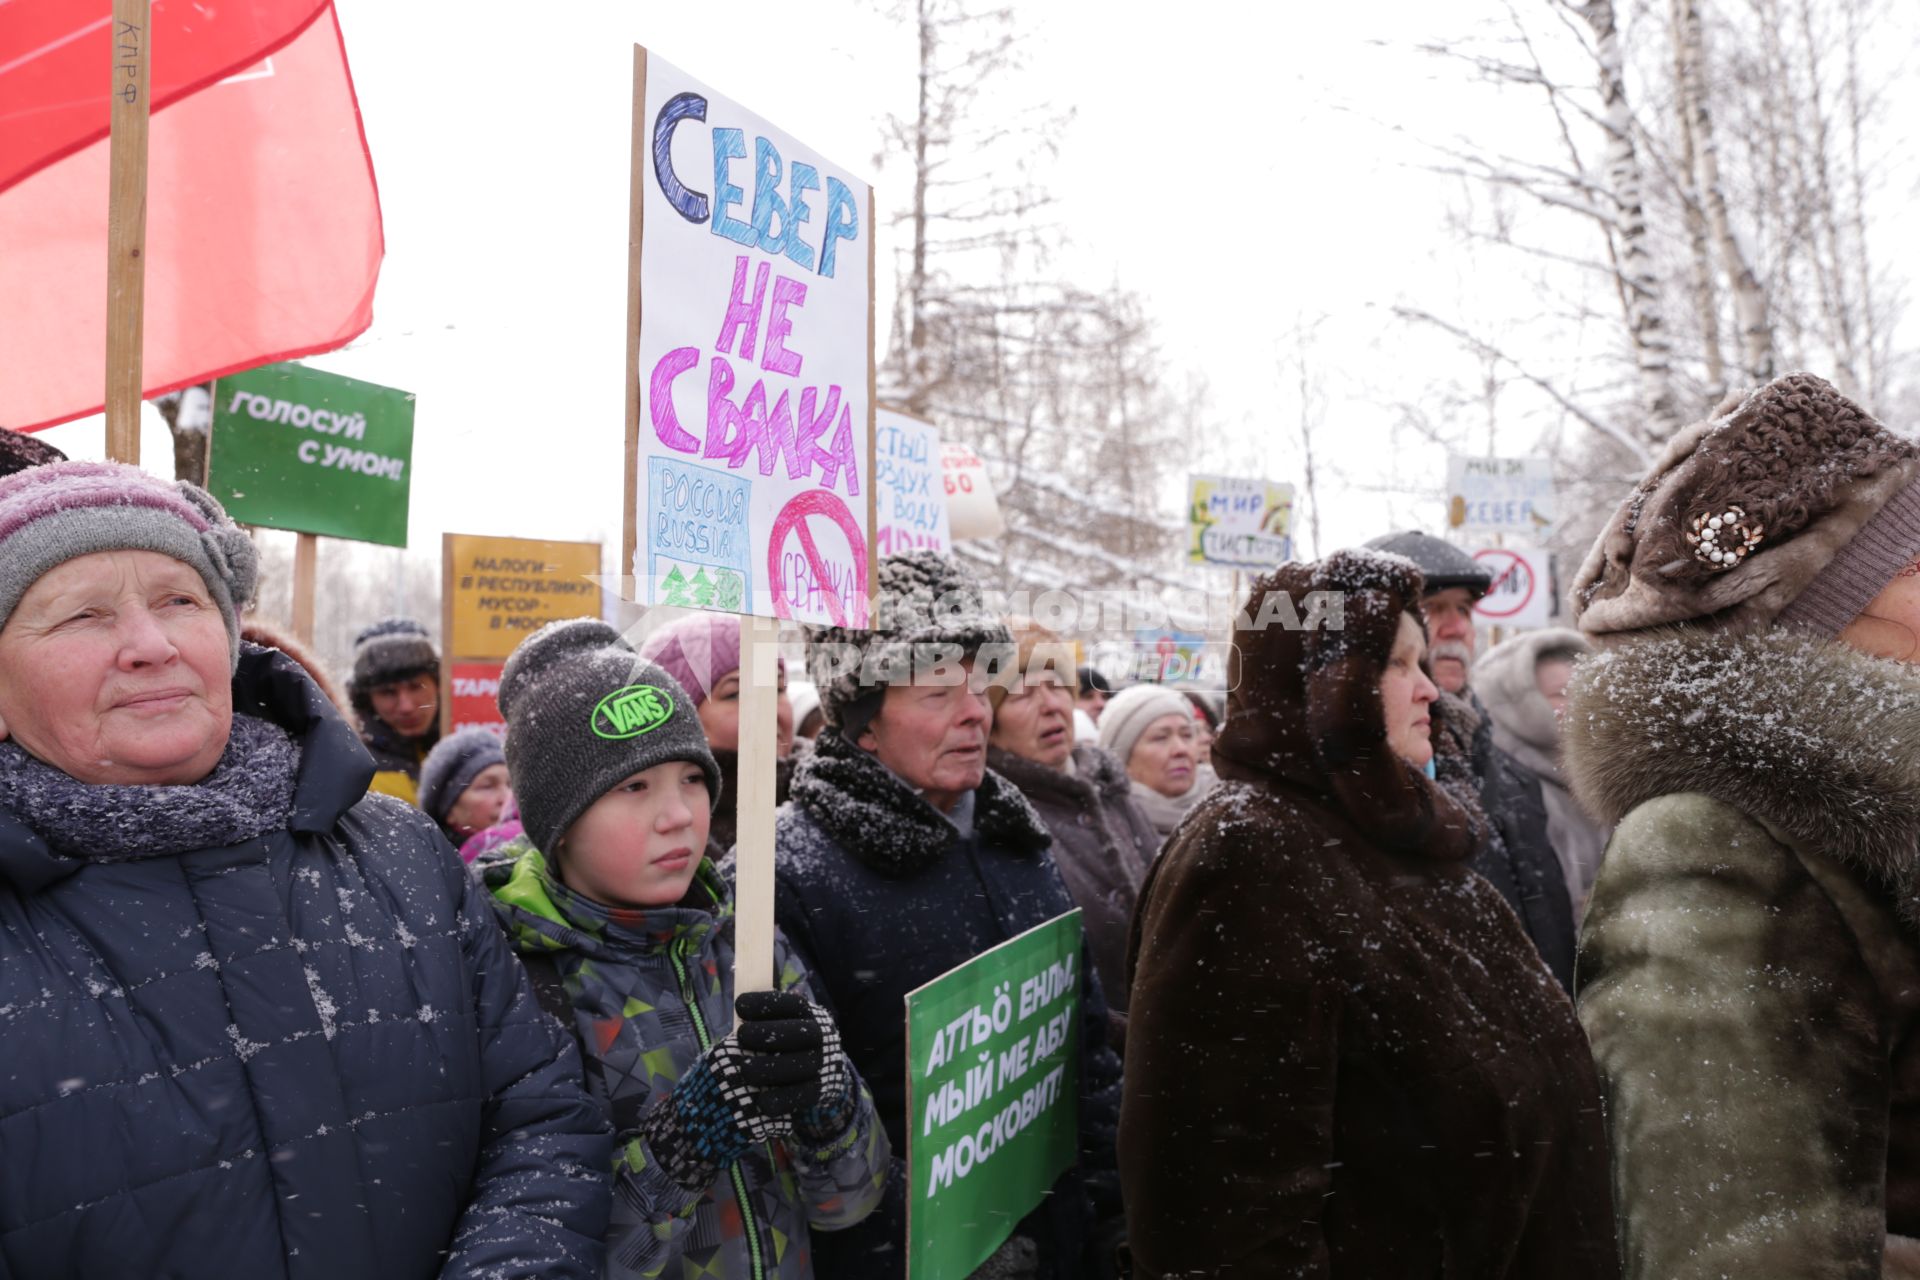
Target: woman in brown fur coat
x: 1346, y: 1058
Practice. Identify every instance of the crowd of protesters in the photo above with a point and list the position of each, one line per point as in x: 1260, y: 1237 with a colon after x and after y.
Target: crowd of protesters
x: 1594, y: 955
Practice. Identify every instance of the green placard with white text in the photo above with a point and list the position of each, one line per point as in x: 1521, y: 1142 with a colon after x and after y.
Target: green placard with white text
x: 295, y: 448
x: 993, y: 1088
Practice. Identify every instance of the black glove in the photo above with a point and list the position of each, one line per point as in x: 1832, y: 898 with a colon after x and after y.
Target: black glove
x: 797, y: 1068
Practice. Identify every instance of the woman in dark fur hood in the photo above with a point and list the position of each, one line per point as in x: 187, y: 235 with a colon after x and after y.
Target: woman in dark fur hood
x: 1750, y: 970
x: 1345, y: 1057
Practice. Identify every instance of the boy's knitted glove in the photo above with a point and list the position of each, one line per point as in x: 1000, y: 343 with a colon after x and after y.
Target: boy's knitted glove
x: 797, y: 1051
x: 710, y: 1119
x: 780, y: 1071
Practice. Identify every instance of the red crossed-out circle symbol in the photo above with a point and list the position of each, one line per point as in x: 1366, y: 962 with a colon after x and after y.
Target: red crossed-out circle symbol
x: 793, y: 519
x: 1511, y: 573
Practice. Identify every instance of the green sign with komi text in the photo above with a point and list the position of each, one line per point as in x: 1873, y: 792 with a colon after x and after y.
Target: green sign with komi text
x: 993, y: 1087
x: 295, y: 448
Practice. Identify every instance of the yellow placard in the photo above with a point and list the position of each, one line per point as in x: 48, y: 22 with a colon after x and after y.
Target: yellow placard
x: 501, y: 590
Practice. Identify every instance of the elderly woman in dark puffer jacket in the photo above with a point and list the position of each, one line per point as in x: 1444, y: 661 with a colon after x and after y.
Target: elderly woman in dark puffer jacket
x: 257, y: 1022
x: 1102, y: 842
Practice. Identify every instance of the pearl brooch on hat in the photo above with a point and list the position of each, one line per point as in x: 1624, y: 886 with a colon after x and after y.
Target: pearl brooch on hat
x: 1723, y: 539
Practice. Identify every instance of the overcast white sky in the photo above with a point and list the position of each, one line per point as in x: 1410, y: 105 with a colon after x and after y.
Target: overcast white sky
x: 1241, y: 166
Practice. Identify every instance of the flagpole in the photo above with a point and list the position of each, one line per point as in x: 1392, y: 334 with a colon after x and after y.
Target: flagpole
x: 126, y: 226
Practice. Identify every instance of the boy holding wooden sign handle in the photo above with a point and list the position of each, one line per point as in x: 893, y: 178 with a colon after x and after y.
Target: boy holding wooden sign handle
x: 749, y: 424
x: 740, y: 1123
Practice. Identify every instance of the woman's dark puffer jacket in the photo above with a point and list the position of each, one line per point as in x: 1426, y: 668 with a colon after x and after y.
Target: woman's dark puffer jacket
x: 879, y: 895
x: 308, y: 1054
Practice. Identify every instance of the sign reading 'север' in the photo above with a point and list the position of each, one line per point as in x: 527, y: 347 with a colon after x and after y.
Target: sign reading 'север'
x: 752, y: 364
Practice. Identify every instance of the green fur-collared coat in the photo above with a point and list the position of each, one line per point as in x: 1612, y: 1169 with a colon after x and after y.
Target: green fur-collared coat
x: 1749, y: 974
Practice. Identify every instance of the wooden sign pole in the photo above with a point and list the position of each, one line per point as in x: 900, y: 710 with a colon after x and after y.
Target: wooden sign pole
x: 873, y: 434
x: 306, y: 554
x: 126, y: 227
x: 636, y: 227
x: 1493, y: 629
x: 446, y: 633
x: 759, y: 756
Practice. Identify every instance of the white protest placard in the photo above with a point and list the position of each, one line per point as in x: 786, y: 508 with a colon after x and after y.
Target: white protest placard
x: 907, y: 473
x: 973, y: 509
x: 1522, y: 591
x: 750, y: 463
x: 1500, y: 495
x: 1239, y: 523
x: 750, y: 344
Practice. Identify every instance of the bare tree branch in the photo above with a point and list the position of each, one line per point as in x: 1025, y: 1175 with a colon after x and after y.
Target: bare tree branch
x: 1487, y: 350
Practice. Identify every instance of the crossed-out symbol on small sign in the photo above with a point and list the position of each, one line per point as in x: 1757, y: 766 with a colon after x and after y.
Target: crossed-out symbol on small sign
x: 793, y: 519
x: 1524, y: 585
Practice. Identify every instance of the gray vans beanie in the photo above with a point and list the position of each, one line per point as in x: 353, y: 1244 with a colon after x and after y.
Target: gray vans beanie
x: 585, y: 711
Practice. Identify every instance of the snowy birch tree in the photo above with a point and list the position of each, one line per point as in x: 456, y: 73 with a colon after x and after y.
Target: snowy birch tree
x: 188, y: 414
x: 1712, y: 155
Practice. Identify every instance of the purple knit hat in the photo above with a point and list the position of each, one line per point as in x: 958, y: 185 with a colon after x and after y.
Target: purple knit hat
x: 698, y: 650
x: 63, y: 510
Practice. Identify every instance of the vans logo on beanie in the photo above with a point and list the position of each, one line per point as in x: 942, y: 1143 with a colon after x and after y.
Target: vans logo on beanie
x: 632, y: 711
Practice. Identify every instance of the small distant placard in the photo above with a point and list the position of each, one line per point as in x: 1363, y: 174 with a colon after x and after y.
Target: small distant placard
x: 1522, y: 591
x: 501, y: 590
x: 1239, y: 523
x: 475, y: 696
x: 912, y: 514
x: 295, y: 448
x: 973, y: 510
x: 1512, y: 496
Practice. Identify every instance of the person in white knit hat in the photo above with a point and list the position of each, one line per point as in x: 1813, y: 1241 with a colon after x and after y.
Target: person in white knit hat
x: 1151, y: 729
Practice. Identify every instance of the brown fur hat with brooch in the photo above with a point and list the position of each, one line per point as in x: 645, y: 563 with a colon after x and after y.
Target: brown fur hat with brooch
x: 1791, y: 505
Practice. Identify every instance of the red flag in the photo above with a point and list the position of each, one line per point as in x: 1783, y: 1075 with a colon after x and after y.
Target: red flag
x: 263, y: 221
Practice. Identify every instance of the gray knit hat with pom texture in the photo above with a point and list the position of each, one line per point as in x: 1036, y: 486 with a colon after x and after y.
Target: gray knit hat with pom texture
x: 450, y: 768
x: 60, y: 511
x: 927, y: 604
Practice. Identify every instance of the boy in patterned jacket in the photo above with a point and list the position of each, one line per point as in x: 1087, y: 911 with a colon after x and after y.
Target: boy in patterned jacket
x: 735, y: 1139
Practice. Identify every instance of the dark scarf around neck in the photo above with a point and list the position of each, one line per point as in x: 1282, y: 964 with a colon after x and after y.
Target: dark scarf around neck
x: 249, y: 793
x: 882, y: 823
